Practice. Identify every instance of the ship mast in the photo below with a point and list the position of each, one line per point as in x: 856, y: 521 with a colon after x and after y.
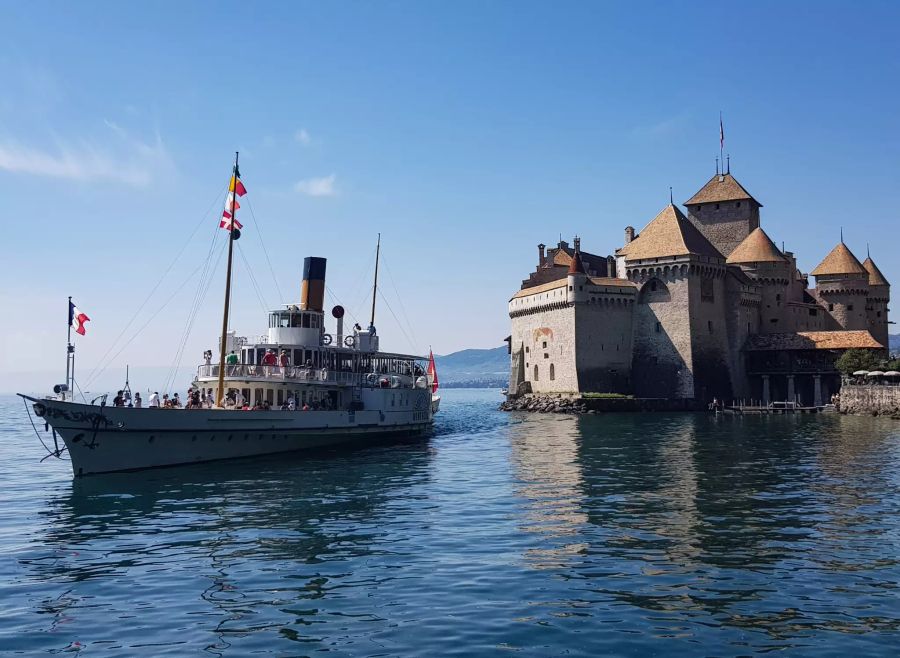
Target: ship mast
x: 375, y: 286
x: 233, y: 209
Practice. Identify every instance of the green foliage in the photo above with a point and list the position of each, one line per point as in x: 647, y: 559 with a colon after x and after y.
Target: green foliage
x: 856, y: 359
x: 893, y: 364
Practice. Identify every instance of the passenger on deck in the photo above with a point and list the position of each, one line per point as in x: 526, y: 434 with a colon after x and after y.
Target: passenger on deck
x: 165, y: 401
x: 137, y: 401
x: 195, y: 399
x: 239, y: 399
x: 176, y: 403
x: 291, y: 403
x: 231, y: 360
x: 207, y: 357
x: 119, y: 400
x: 154, y: 400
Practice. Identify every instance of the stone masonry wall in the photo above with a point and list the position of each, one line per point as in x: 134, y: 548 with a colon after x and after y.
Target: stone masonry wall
x: 547, y: 339
x: 726, y: 226
x: 662, y: 339
x: 603, y: 344
x: 870, y: 400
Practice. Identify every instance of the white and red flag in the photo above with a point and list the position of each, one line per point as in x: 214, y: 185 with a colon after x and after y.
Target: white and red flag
x: 432, y: 372
x: 77, y: 319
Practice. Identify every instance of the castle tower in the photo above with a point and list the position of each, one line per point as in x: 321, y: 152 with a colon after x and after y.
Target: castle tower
x: 724, y: 212
x: 877, y: 303
x: 761, y: 260
x: 842, y: 283
x: 680, y: 338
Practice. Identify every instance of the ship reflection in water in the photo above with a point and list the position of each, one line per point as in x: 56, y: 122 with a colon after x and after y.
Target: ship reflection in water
x: 540, y: 534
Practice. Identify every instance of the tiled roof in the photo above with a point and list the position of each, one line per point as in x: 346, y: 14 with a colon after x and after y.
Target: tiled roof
x: 812, y: 340
x: 840, y: 261
x: 534, y: 290
x: 669, y: 234
x: 562, y: 258
x: 611, y: 281
x: 876, y: 278
x: 721, y: 187
x: 756, y: 248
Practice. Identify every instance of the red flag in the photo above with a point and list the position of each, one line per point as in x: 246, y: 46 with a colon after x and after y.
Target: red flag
x: 237, y: 186
x: 432, y: 372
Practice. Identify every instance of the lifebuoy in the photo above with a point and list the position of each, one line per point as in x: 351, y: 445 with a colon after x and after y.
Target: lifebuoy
x: 326, y: 339
x: 348, y: 341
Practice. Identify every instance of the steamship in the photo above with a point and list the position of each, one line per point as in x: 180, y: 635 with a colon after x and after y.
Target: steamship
x: 295, y: 388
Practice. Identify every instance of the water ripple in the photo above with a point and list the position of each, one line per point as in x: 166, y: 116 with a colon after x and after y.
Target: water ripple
x: 539, y: 535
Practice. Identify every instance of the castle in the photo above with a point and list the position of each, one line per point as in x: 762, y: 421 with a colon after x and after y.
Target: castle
x: 697, y: 306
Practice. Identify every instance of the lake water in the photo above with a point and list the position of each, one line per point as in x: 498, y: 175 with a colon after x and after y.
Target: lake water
x: 502, y: 534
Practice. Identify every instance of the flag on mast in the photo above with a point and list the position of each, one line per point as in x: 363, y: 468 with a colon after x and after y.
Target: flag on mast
x: 235, y: 188
x: 432, y: 372
x: 77, y: 319
x: 721, y: 133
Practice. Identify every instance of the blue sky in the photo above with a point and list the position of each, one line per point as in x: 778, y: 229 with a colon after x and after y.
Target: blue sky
x: 465, y: 133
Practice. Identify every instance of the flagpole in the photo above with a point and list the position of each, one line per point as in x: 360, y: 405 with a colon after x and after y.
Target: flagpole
x: 70, y: 351
x: 721, y: 140
x: 221, y: 393
x: 375, y: 287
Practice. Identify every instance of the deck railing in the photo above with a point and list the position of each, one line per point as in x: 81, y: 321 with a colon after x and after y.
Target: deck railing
x: 304, y: 374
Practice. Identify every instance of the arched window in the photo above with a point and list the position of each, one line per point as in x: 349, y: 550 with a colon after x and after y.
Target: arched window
x: 552, y: 372
x: 535, y: 372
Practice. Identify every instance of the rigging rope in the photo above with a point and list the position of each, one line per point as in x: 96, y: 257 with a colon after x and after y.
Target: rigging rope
x: 112, y: 345
x: 262, y: 300
x: 414, y: 342
x: 265, y: 251
x: 203, y: 287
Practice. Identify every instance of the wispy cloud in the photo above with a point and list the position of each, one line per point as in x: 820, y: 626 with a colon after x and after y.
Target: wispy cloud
x: 302, y: 137
x: 124, y: 159
x: 324, y: 186
x: 661, y: 128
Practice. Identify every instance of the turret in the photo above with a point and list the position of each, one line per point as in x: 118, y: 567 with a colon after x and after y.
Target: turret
x: 877, y: 302
x: 577, y: 277
x: 761, y: 260
x: 842, y: 283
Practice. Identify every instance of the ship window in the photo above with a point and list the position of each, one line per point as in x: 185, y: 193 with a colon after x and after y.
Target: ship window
x: 552, y: 372
x: 269, y: 396
x: 257, y: 395
x: 246, y: 393
x: 284, y: 321
x: 280, y: 397
x: 305, y: 324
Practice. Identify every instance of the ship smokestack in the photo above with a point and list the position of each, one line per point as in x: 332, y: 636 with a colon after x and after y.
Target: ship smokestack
x: 312, y: 290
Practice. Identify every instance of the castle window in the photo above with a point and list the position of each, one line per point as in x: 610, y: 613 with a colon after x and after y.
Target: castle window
x: 658, y: 327
x: 717, y: 206
x: 778, y: 297
x: 546, y: 355
x: 878, y: 314
x: 813, y: 312
x: 545, y: 344
x: 849, y: 307
x: 552, y: 372
x: 709, y: 325
x: 535, y: 372
x: 653, y: 286
x: 831, y: 307
x: 738, y: 204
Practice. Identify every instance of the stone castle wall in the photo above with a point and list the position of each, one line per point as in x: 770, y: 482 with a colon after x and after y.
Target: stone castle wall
x: 603, y: 343
x: 710, y: 362
x: 870, y: 400
x: 662, y: 338
x: 727, y: 225
x: 546, y: 335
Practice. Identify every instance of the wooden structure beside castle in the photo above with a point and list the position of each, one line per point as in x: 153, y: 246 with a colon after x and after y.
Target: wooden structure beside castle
x: 697, y: 306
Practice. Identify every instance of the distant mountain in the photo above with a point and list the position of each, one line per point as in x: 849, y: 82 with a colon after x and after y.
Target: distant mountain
x: 894, y: 343
x: 486, y: 368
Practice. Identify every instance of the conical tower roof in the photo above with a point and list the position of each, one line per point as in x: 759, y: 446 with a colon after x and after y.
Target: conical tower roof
x: 669, y: 234
x: 721, y: 187
x: 876, y: 278
x: 840, y: 261
x: 756, y: 248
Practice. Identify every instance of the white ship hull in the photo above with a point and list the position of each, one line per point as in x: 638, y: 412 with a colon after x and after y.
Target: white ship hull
x: 108, y: 439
